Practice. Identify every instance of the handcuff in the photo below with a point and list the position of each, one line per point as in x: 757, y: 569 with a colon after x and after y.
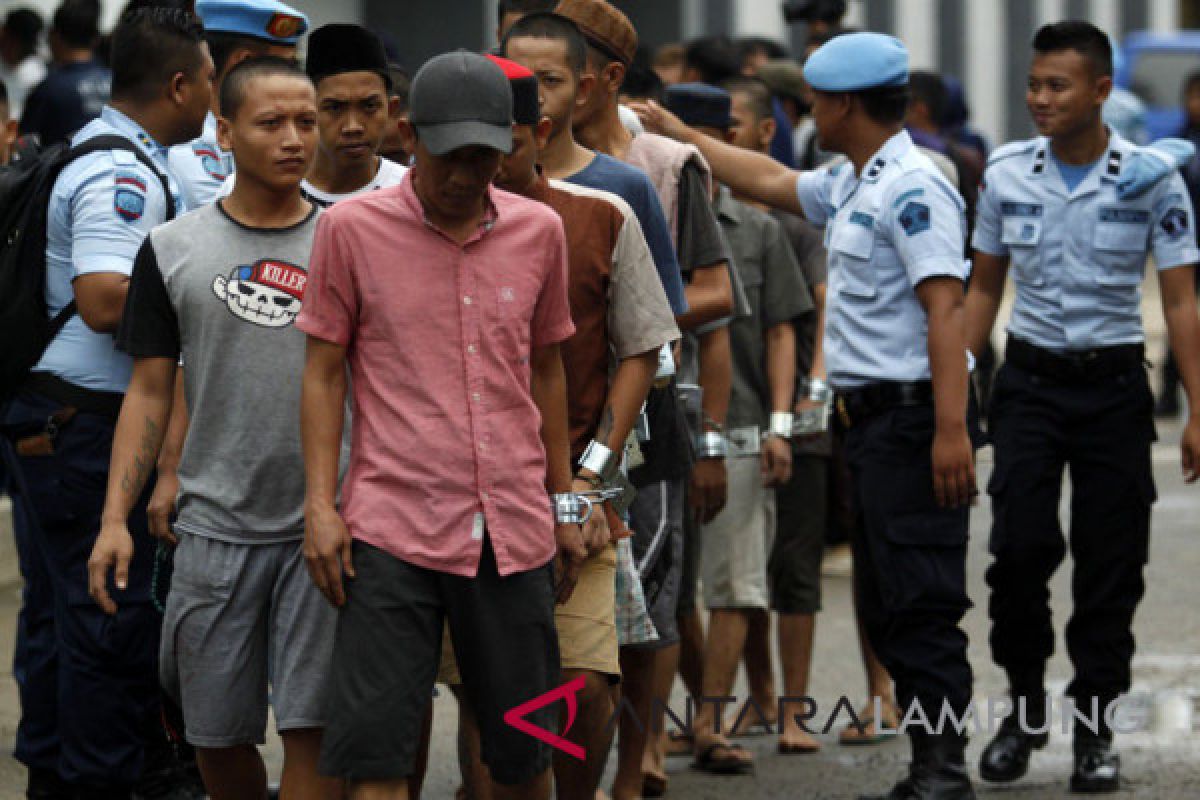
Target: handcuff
x: 576, y: 508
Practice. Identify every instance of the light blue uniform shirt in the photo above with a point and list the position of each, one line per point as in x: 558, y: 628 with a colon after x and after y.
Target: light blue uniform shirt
x: 201, y: 166
x: 101, y: 209
x: 898, y: 225
x: 1078, y: 256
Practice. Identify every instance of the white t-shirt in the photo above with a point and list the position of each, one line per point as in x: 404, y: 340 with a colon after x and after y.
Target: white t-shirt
x: 389, y: 174
x: 21, y: 80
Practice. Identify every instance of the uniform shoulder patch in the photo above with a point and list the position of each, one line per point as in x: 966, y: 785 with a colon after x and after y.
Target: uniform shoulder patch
x: 1175, y: 222
x: 1011, y: 149
x: 129, y: 195
x: 914, y: 218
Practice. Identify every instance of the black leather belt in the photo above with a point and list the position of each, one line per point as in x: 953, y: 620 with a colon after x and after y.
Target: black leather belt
x: 1076, y: 366
x: 858, y: 405
x: 106, y: 404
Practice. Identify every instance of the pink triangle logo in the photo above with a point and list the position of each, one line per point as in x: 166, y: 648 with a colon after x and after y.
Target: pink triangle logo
x: 516, y: 717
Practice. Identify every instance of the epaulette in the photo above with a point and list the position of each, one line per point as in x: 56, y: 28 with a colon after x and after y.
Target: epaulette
x: 1012, y: 149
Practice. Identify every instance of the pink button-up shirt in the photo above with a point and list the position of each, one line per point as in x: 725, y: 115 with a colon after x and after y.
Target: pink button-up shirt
x: 439, y: 338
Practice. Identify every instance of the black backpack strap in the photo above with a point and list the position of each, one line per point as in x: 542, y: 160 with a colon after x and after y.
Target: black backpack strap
x: 112, y: 141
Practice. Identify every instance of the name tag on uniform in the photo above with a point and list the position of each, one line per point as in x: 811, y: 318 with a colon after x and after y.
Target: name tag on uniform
x: 1133, y: 216
x: 1010, y: 209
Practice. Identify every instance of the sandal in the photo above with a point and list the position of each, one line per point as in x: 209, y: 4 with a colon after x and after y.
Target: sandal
x: 736, y: 761
x: 653, y: 785
x: 866, y: 732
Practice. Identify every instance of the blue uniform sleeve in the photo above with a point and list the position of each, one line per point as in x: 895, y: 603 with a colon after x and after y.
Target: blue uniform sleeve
x: 924, y: 219
x: 1173, y: 237
x: 989, y: 224
x: 813, y: 189
x: 658, y: 237
x: 113, y: 206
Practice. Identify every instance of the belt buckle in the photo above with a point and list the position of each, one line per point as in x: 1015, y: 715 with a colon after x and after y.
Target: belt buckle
x: 843, y: 412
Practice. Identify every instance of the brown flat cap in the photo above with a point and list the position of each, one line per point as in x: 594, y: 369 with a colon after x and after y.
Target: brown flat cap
x: 604, y: 25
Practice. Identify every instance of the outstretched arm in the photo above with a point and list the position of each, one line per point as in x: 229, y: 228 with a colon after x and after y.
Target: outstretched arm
x: 754, y: 175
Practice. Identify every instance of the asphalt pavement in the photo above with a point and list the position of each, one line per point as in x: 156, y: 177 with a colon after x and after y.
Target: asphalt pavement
x: 1161, y: 760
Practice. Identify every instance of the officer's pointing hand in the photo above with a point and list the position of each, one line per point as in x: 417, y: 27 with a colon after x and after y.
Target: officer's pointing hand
x: 953, y: 467
x: 657, y: 119
x: 113, y: 550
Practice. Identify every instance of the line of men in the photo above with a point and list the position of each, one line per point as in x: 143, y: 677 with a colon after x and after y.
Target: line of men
x: 469, y: 347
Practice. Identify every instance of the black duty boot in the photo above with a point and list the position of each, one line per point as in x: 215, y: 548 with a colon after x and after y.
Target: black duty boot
x: 938, y: 771
x: 1097, y: 767
x: 44, y: 784
x: 1006, y: 758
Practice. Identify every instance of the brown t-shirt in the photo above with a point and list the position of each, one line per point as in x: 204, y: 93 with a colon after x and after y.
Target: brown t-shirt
x: 617, y: 301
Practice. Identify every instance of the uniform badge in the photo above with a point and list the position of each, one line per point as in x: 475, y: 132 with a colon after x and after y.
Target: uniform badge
x: 129, y: 204
x: 284, y: 26
x: 914, y: 218
x: 1175, y: 222
x: 210, y: 160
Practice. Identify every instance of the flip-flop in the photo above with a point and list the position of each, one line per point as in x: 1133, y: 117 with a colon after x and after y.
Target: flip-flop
x: 856, y: 735
x: 653, y: 785
x: 707, y: 761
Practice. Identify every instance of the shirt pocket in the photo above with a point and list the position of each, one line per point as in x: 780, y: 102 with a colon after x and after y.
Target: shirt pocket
x: 1120, y: 252
x: 1023, y: 237
x: 854, y: 245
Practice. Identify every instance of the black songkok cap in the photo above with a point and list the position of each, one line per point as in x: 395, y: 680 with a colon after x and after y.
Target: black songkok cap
x: 334, y: 49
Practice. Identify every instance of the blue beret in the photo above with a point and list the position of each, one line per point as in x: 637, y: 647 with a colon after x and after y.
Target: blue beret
x: 700, y: 105
x: 854, y: 62
x: 268, y: 20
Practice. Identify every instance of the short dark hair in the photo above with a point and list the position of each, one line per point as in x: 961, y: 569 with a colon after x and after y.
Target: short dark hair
x: 1080, y: 36
x: 149, y: 46
x: 772, y: 49
x: 930, y: 89
x: 714, y: 57
x: 77, y: 22
x: 886, y: 105
x: 25, y: 26
x: 518, y: 6
x: 3, y: 101
x: 544, y: 25
x: 641, y: 81
x: 233, y: 88
x: 756, y: 92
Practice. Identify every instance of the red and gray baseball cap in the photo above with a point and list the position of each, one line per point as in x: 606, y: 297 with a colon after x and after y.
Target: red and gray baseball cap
x: 461, y: 99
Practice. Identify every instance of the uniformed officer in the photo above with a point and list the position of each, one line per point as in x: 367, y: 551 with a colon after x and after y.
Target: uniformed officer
x: 895, y: 351
x: 235, y: 30
x: 89, y: 682
x: 1073, y: 391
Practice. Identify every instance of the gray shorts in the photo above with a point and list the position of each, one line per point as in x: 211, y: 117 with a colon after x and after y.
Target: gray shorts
x: 240, y: 618
x: 656, y: 518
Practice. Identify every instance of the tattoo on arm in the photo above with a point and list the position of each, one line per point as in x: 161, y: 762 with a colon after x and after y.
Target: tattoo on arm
x: 607, y: 423
x: 133, y: 481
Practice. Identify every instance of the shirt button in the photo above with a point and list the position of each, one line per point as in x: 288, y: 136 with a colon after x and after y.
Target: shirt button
x: 470, y: 348
x: 475, y: 396
x: 483, y: 445
x: 483, y: 496
x: 467, y: 300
